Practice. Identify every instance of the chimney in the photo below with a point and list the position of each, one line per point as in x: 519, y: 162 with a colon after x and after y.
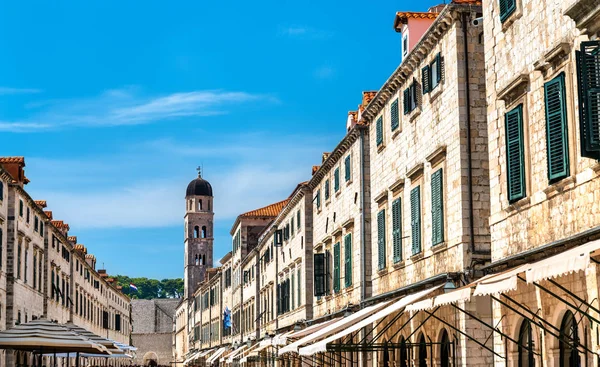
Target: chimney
x: 324, y: 157
x: 15, y: 166
x: 61, y: 226
x: 413, y: 25
x: 352, y: 119
x: 91, y: 260
x: 315, y: 169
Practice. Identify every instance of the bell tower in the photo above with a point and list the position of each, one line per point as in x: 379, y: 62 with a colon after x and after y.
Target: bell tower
x: 199, y: 237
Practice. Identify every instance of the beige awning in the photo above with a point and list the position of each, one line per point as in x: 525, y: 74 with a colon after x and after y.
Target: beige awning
x: 281, y: 339
x: 334, y: 328
x: 191, y: 358
x: 458, y: 295
x: 235, y: 353
x: 499, y: 283
x: 311, y: 329
x: 425, y: 304
x: 216, y: 355
x: 570, y: 261
x: 397, y: 306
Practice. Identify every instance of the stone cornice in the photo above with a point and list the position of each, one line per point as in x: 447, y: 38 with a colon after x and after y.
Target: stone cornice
x: 409, y: 65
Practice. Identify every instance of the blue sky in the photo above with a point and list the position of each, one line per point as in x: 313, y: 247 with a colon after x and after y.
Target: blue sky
x: 115, y: 103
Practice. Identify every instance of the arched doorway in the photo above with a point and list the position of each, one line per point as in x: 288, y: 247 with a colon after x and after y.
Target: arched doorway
x: 422, y: 351
x: 525, y: 347
x: 403, y: 353
x: 569, y: 340
x: 151, y: 359
x: 386, y: 355
x: 445, y: 349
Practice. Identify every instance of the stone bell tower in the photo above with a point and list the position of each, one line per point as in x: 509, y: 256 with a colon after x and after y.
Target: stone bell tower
x: 199, y: 237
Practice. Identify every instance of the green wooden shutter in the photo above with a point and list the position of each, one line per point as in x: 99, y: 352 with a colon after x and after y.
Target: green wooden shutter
x: 556, y: 128
x: 589, y: 97
x: 319, y: 266
x: 394, y: 115
x: 336, y: 179
x: 298, y: 219
x: 336, y: 267
x: 379, y: 130
x: 318, y: 199
x: 425, y: 73
x: 415, y: 219
x: 507, y: 7
x: 406, y: 101
x: 348, y: 260
x: 439, y: 64
x: 348, y: 168
x: 515, y: 166
x: 326, y: 189
x: 437, y: 208
x: 381, y: 238
x: 397, y: 230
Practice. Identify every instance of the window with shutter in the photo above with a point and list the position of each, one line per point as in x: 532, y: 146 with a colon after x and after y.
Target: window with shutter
x: 437, y: 208
x: 327, y: 272
x: 292, y: 293
x: 507, y: 7
x: 381, y: 239
x: 298, y: 219
x: 515, y: 166
x: 319, y: 264
x: 348, y: 260
x: 394, y: 115
x: 336, y: 179
x: 348, y: 168
x: 436, y: 72
x: 556, y: 129
x: 397, y: 230
x: 1, y: 191
x: 379, y: 130
x: 336, y: 267
x: 425, y: 79
x: 588, y: 74
x: 327, y: 190
x: 415, y: 219
x: 413, y: 96
x: 406, y: 101
x: 318, y: 199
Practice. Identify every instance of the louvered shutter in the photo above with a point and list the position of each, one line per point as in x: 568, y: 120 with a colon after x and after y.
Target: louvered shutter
x: 379, y: 131
x: 415, y: 219
x: 319, y: 266
x: 437, y: 208
x: 406, y: 101
x: 327, y: 272
x: 514, y: 154
x: 336, y: 267
x: 589, y: 97
x: 397, y: 230
x: 348, y: 168
x: 394, y: 115
x: 439, y: 70
x: 336, y: 179
x: 425, y: 73
x: 348, y: 260
x: 381, y: 238
x: 556, y: 128
x: 327, y: 190
x: 507, y: 7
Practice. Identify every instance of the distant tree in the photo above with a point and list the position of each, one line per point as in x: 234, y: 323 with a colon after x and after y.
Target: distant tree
x: 150, y: 288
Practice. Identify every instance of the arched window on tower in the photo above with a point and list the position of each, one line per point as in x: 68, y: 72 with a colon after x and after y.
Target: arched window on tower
x: 196, y: 261
x: 200, y: 204
x: 203, y: 259
x: 190, y: 205
x: 196, y: 232
x: 203, y: 231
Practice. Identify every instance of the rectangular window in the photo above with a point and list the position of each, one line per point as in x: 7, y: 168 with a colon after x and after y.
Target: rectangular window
x: 21, y: 208
x: 437, y: 208
x: 292, y: 293
x: 36, y: 224
x: 379, y: 130
x: 327, y: 190
x: 415, y: 219
x: 588, y: 80
x: 1, y: 190
x: 28, y: 214
x: 515, y: 166
x: 397, y: 229
x: 318, y: 199
x: 395, y: 115
x: 348, y: 168
x: 381, y: 239
x: 292, y: 225
x: 336, y: 179
x: 507, y: 7
x: 1, y: 246
x: 298, y: 219
x: 319, y: 260
x: 348, y: 260
x: 556, y: 128
x: 299, y: 289
x: 336, y: 267
x: 410, y: 98
x: 435, y: 72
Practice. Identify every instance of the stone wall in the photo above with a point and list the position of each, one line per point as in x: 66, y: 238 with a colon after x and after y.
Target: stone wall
x: 156, y: 346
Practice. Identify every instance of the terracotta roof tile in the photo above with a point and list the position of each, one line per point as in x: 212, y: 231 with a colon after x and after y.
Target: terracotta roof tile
x: 354, y: 114
x: 72, y: 239
x: 80, y: 247
x: 268, y: 211
x: 12, y: 160
x: 60, y: 224
x: 40, y: 203
x: 315, y: 169
x: 48, y: 214
x: 368, y: 96
x: 90, y: 256
x: 402, y: 17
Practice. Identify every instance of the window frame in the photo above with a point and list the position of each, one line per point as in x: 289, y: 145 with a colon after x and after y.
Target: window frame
x: 515, y: 196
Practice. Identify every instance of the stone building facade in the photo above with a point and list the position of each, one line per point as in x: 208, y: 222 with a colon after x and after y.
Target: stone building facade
x: 152, y: 330
x: 41, y: 269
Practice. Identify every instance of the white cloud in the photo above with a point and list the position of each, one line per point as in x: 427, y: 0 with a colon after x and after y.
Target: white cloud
x: 304, y: 32
x: 128, y: 106
x: 9, y: 91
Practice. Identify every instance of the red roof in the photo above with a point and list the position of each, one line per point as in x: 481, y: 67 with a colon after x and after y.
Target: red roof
x: 272, y: 210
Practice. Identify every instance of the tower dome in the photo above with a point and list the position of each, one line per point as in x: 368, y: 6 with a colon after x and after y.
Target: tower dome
x: 199, y: 187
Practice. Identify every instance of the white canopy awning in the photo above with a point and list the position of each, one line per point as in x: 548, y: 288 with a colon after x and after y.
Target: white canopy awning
x: 499, y: 283
x: 191, y: 358
x: 311, y: 329
x: 394, y: 307
x: 458, y: 295
x: 570, y: 261
x: 280, y: 339
x: 216, y: 355
x: 234, y: 354
x: 334, y: 328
